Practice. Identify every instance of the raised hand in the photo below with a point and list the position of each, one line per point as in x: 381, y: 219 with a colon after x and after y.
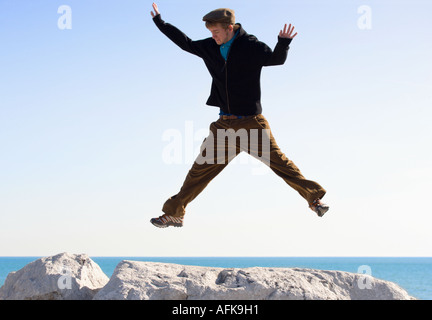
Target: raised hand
x: 156, y: 10
x: 287, y: 33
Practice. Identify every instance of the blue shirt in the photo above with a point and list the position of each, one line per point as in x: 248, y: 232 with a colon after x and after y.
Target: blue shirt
x: 224, y: 48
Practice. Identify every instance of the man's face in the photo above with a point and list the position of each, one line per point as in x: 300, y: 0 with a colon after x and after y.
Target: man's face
x: 220, y: 34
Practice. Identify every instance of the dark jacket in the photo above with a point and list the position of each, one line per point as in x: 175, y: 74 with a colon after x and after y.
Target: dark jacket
x: 236, y: 82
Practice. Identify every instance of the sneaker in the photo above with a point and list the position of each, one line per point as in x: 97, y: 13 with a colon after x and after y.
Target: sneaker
x: 165, y: 221
x: 319, y: 208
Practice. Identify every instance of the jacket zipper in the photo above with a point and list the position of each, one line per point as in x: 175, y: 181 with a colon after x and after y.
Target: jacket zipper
x: 226, y: 85
x: 226, y: 75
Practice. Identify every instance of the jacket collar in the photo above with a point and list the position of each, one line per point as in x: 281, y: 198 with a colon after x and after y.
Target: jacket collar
x: 242, y: 32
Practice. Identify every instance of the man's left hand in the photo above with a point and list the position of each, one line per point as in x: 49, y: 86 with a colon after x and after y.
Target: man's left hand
x: 287, y: 33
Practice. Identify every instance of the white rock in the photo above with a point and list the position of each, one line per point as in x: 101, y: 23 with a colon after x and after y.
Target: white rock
x: 135, y: 280
x: 61, y: 277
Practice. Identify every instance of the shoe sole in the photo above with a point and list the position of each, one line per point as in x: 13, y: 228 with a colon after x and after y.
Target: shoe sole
x: 166, y: 225
x: 323, y: 211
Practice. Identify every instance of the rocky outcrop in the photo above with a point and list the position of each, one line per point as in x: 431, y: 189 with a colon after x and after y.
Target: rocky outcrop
x: 61, y: 277
x: 155, y: 281
x: 77, y: 277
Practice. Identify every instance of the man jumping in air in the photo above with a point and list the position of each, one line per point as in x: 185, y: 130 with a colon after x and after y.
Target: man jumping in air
x: 234, y: 59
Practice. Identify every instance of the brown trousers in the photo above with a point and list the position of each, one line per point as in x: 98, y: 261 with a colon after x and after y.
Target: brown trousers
x: 227, y: 139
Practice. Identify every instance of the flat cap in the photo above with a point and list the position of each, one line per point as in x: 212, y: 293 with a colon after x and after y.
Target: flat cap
x: 223, y: 15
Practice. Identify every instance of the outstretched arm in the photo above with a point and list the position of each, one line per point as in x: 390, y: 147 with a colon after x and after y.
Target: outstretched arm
x: 174, y: 34
x: 279, y: 54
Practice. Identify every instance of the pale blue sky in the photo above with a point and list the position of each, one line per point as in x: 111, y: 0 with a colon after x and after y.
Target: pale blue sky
x: 83, y: 113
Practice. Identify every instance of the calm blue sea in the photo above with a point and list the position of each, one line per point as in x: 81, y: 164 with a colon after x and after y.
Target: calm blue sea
x: 412, y: 274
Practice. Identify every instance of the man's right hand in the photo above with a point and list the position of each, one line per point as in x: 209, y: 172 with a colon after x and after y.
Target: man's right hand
x: 156, y: 10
